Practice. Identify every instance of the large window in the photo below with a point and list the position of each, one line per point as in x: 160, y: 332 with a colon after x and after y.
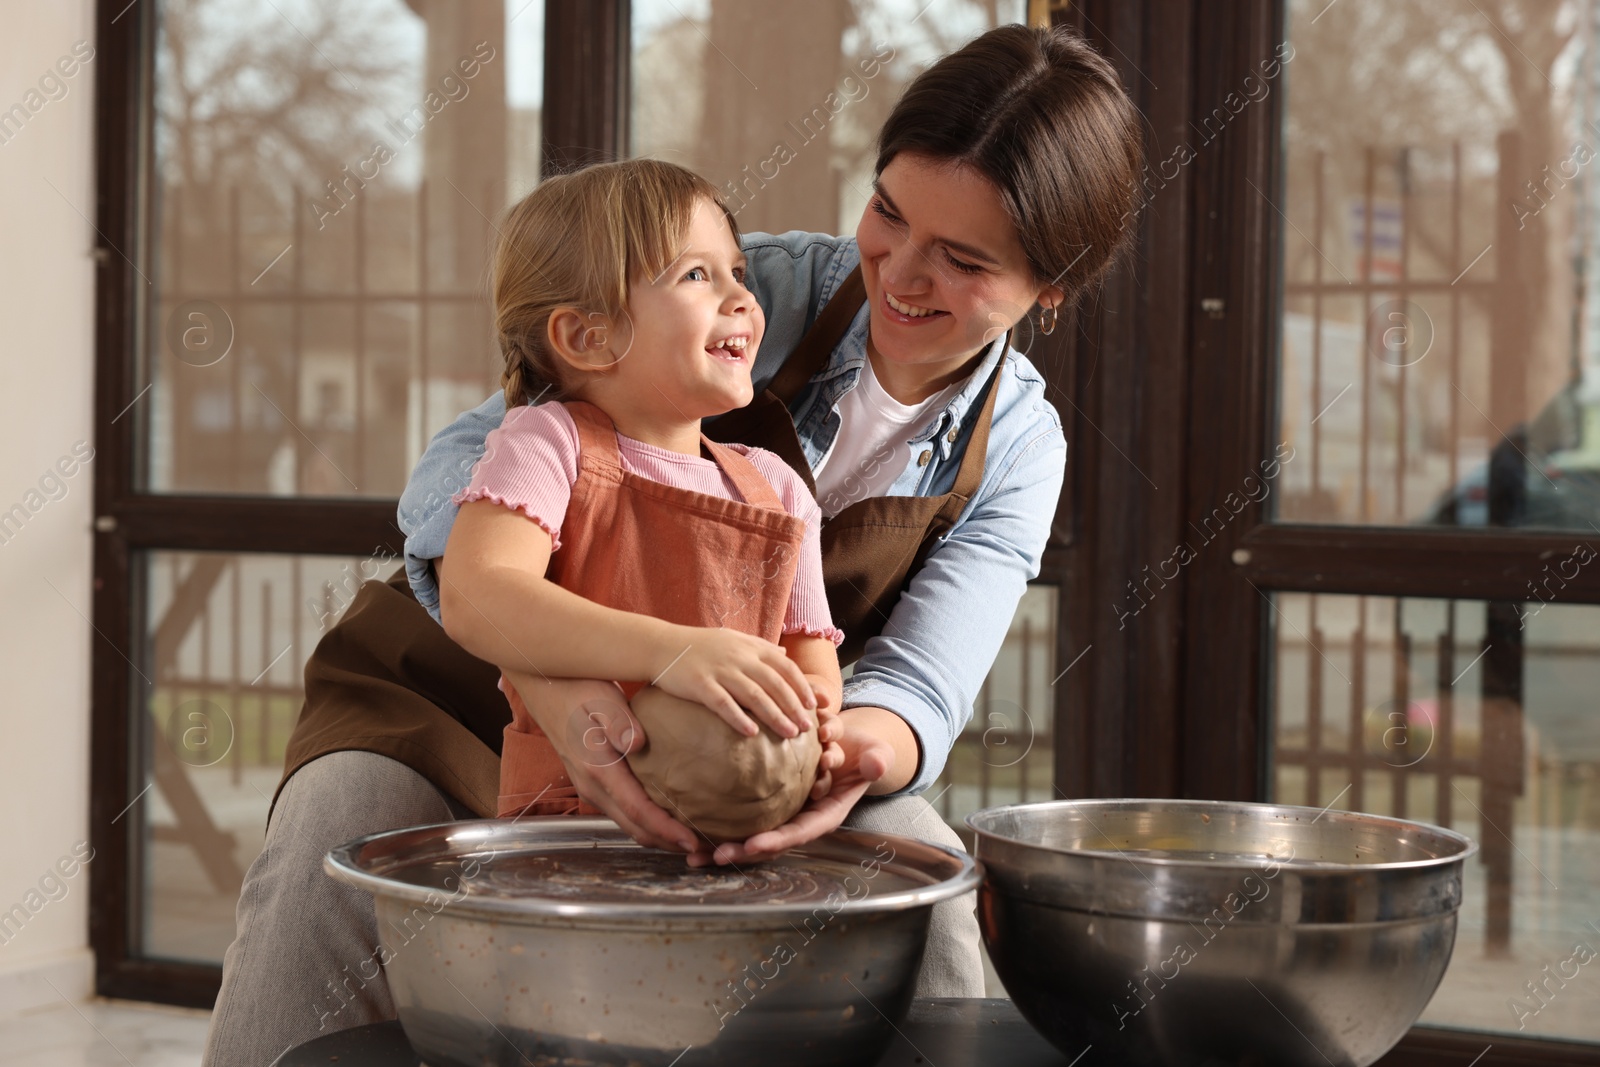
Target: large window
x: 1439, y: 366
x: 306, y: 195
x: 1331, y: 514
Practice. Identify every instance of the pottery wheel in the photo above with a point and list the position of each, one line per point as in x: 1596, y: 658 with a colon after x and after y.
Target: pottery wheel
x: 624, y: 876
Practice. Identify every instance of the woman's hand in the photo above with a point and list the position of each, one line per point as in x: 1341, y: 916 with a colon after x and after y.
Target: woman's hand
x: 864, y: 758
x: 730, y: 672
x: 830, y: 728
x: 593, y: 730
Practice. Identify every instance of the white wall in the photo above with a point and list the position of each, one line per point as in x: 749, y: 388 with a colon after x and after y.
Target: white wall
x: 46, y: 393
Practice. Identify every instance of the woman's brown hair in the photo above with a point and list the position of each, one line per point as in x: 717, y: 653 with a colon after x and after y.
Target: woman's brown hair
x: 576, y: 241
x: 1042, y: 116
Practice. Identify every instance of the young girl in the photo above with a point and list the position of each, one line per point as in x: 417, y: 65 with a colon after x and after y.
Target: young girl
x: 643, y: 551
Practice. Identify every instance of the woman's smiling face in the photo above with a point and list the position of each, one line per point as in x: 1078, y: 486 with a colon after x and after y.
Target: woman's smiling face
x: 944, y: 270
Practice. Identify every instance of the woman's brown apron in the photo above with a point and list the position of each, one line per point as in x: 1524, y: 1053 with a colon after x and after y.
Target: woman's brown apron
x: 386, y: 679
x: 711, y: 562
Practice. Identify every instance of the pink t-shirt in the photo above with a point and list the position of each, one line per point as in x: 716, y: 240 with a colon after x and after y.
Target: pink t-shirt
x: 531, y: 462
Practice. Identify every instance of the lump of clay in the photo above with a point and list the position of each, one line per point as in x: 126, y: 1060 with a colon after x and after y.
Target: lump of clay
x: 720, y: 784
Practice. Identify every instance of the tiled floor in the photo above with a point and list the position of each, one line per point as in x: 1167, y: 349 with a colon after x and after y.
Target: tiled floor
x: 123, y: 1033
x: 103, y: 1033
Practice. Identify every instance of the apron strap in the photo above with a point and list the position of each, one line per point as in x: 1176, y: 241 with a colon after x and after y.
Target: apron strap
x: 597, y: 443
x: 597, y: 436
x: 744, y: 475
x: 814, y: 349
x: 970, y: 474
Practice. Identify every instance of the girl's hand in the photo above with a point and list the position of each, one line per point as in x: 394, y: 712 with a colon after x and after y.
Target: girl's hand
x: 866, y: 758
x: 592, y: 730
x: 730, y: 672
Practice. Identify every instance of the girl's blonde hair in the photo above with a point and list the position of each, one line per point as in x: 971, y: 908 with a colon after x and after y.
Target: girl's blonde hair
x: 576, y: 241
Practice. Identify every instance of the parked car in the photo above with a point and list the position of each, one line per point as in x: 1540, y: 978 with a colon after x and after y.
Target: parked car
x: 1546, y: 473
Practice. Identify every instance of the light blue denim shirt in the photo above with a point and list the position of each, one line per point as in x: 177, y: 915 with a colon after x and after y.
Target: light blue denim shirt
x: 944, y: 632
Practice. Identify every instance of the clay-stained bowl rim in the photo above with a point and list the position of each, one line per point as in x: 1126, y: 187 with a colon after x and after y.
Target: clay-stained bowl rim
x: 370, y: 862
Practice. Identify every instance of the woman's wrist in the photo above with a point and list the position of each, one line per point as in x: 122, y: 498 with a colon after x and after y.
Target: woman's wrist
x: 887, y: 726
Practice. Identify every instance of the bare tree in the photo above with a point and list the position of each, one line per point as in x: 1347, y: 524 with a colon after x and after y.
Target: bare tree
x: 1406, y: 80
x: 272, y: 97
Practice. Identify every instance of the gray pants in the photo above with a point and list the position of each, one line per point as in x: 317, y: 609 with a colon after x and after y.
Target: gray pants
x: 300, y: 963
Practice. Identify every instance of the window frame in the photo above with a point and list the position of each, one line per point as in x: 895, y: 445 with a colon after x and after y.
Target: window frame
x: 1192, y: 676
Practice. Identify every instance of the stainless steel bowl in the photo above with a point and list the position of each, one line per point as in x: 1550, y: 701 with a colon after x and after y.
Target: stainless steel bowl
x: 1183, y: 932
x: 561, y: 938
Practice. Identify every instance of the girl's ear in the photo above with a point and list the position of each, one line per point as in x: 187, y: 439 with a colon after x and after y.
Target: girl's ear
x: 581, y: 339
x: 1051, y: 296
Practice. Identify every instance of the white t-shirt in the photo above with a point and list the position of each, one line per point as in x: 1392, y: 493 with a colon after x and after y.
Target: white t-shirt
x: 874, y: 442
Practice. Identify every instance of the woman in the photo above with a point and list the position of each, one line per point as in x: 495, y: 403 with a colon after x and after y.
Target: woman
x: 1005, y: 177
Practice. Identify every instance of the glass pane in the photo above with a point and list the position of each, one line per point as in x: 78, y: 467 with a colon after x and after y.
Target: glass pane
x: 779, y: 104
x: 1477, y: 716
x: 321, y: 190
x: 1440, y: 327
x: 218, y: 691
x: 1006, y: 754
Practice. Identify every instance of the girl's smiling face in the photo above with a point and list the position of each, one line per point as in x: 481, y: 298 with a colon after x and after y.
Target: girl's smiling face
x: 944, y: 270
x: 695, y: 331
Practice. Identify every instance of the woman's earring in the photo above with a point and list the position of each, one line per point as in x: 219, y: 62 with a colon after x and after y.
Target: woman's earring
x: 1051, y: 328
